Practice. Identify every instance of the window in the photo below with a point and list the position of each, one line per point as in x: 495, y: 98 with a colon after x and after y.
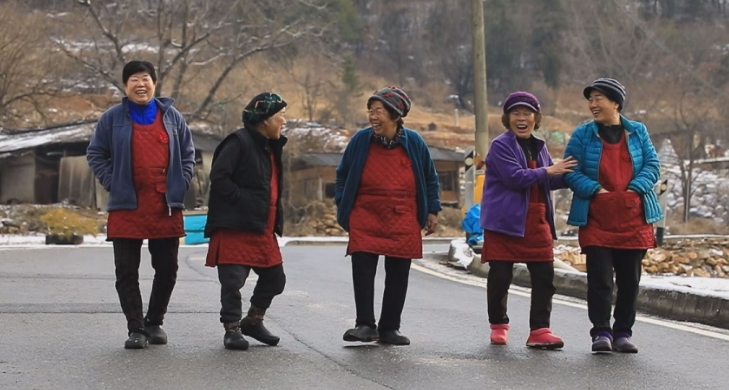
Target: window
x: 447, y: 180
x: 329, y: 190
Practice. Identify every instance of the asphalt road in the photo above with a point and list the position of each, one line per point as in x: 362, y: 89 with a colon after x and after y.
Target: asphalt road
x: 61, y: 328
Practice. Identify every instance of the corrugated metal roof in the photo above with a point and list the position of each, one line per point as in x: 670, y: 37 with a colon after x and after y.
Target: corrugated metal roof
x: 440, y: 154
x: 321, y: 159
x: 15, y: 141
x: 28, y: 139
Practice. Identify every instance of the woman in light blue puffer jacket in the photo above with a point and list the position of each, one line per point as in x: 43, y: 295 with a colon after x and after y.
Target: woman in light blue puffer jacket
x: 614, y: 205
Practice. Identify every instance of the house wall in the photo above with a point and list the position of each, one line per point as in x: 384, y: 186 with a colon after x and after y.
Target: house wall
x: 76, y: 181
x: 200, y: 188
x: 449, y: 182
x: 17, y: 179
x: 315, y: 183
x: 312, y: 184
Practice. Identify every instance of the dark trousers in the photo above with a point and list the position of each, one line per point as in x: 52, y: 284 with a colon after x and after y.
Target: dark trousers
x: 600, y: 265
x: 397, y: 272
x: 127, y: 256
x: 499, y: 279
x: 271, y: 282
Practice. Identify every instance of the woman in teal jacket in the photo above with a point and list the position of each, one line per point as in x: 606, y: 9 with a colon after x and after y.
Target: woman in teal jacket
x: 614, y: 205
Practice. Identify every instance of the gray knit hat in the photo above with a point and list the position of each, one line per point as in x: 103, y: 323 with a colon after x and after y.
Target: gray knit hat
x: 610, y: 87
x: 394, y: 98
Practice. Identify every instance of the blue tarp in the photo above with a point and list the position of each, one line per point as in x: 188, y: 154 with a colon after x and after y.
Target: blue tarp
x: 472, y: 225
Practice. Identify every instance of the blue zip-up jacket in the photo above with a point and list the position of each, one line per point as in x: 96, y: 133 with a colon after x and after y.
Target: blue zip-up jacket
x: 586, y: 147
x: 349, y: 174
x: 110, y: 155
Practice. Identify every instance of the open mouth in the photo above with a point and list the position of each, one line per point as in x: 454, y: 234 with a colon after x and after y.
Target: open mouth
x: 376, y: 126
x: 595, y: 112
x: 521, y: 126
x: 141, y: 92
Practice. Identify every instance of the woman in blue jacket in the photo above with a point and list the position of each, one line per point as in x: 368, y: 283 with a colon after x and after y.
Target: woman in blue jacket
x: 386, y: 192
x: 614, y: 205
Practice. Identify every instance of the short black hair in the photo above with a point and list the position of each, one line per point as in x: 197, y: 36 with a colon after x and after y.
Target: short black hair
x: 134, y: 67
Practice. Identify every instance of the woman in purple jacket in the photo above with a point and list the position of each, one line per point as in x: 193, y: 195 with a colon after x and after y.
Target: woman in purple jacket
x: 516, y: 215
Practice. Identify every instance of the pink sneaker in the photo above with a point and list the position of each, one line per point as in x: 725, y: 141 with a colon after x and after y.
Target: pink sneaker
x: 499, y: 334
x: 544, y: 339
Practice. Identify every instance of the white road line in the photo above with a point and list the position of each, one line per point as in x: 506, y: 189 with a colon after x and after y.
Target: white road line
x: 525, y: 293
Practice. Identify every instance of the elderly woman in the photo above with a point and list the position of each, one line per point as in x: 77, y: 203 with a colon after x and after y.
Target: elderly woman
x: 516, y: 215
x: 142, y: 154
x: 387, y: 191
x: 245, y: 216
x: 614, y: 205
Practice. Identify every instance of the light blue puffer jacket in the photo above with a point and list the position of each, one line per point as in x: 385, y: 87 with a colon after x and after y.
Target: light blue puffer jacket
x: 586, y: 147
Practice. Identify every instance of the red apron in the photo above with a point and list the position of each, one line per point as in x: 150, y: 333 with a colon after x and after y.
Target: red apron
x: 616, y: 219
x: 230, y: 246
x: 152, y: 218
x: 536, y: 245
x: 384, y: 219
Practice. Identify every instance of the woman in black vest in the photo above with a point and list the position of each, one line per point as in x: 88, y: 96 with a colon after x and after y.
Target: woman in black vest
x: 245, y: 216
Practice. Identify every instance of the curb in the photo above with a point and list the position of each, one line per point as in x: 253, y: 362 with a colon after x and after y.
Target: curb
x: 673, y: 305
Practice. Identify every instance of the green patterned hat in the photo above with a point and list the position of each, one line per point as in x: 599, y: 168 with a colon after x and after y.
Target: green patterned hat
x: 262, y: 107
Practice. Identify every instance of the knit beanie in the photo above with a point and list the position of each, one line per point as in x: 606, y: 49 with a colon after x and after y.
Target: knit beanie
x: 610, y: 87
x: 521, y: 98
x: 262, y: 107
x: 134, y: 67
x: 394, y: 98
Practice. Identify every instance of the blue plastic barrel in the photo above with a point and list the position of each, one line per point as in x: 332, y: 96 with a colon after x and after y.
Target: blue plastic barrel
x: 195, y: 229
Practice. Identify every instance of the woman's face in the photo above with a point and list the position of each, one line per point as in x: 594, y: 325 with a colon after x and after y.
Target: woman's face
x: 522, y: 121
x: 273, y: 126
x: 140, y: 88
x: 603, y: 109
x: 379, y: 118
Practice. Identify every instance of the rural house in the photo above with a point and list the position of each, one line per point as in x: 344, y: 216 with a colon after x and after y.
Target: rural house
x: 312, y: 175
x: 46, y: 166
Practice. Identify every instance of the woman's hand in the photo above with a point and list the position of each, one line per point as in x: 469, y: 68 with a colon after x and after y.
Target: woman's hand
x: 562, y: 167
x: 432, y: 224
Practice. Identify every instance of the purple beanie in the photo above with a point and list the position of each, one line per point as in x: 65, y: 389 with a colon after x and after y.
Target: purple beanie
x: 525, y: 99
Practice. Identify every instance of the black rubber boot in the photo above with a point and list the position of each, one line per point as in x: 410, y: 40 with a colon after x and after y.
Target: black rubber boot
x: 361, y: 333
x: 157, y: 336
x: 393, y: 337
x: 136, y: 340
x: 252, y: 325
x: 233, y: 338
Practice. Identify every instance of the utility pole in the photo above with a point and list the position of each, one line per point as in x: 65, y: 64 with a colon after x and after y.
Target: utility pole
x: 479, y: 77
x: 475, y: 176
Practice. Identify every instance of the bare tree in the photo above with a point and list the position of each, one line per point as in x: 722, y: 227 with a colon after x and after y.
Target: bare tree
x: 196, y: 44
x: 691, y: 120
x: 311, y: 72
x: 25, y: 65
x: 613, y: 46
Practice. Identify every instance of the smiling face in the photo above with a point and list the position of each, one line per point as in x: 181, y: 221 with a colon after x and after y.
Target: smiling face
x: 273, y: 126
x: 522, y: 121
x: 603, y: 110
x: 380, y: 120
x: 140, y: 88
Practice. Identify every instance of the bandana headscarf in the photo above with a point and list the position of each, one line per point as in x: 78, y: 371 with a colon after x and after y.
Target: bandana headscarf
x: 262, y: 107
